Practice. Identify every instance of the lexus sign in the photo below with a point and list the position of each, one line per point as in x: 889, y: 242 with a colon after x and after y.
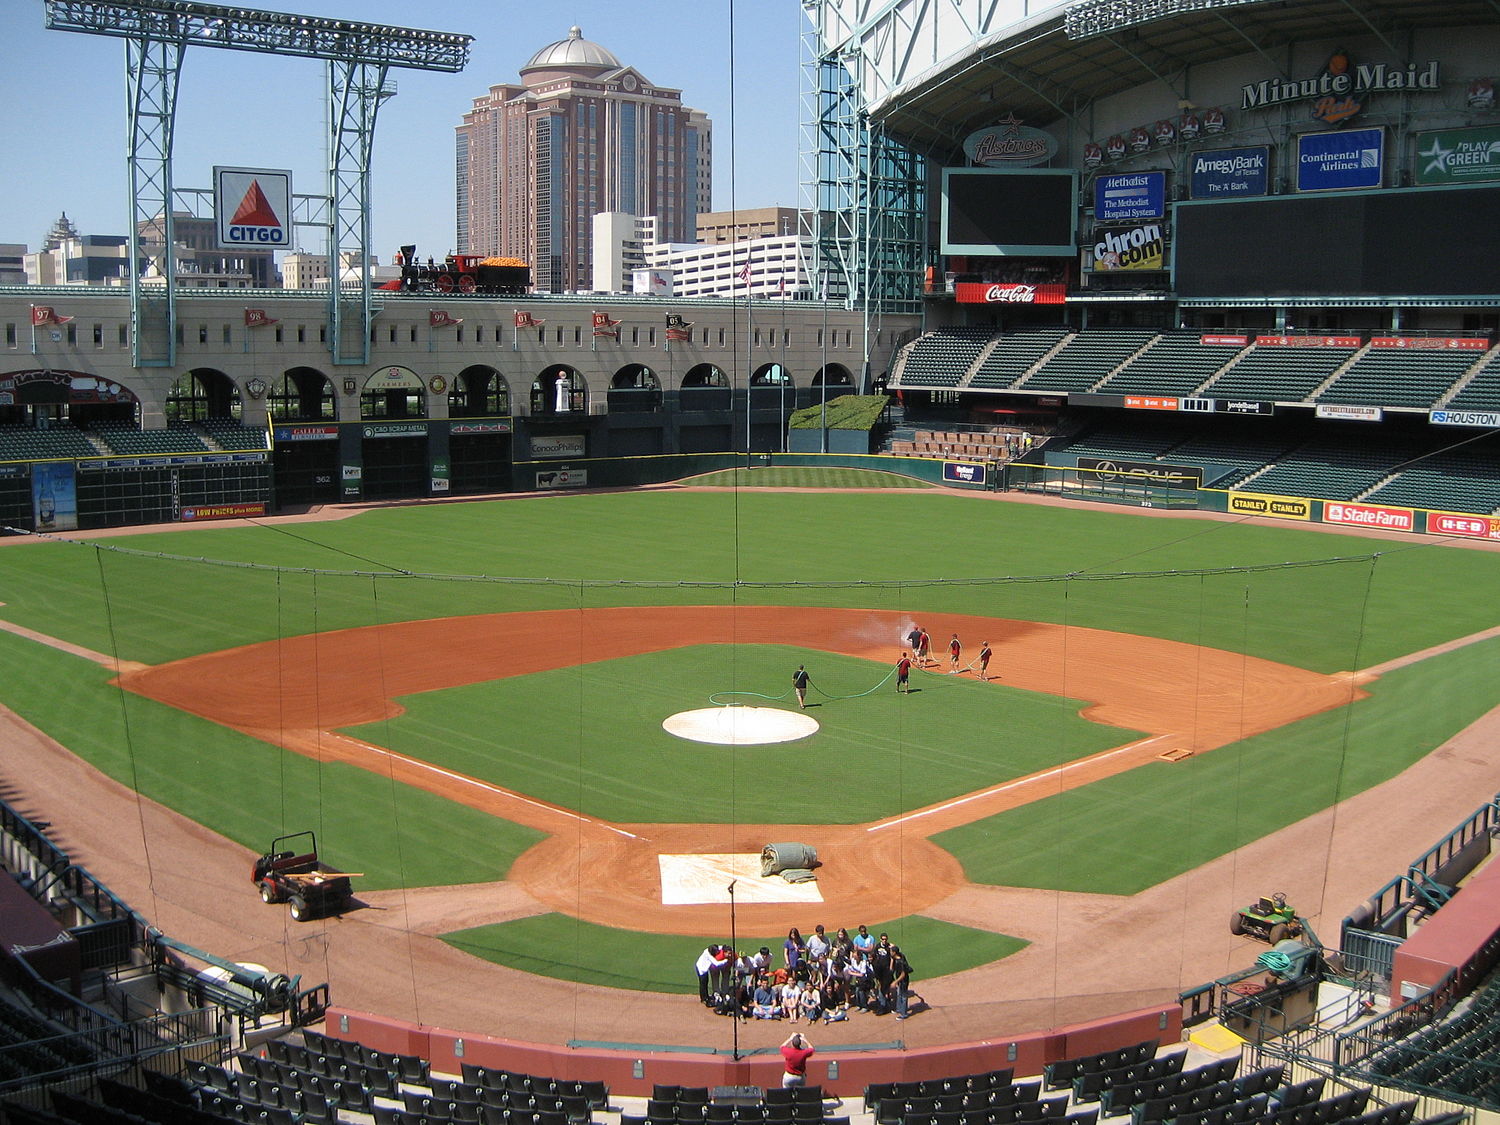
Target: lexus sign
x: 983, y: 293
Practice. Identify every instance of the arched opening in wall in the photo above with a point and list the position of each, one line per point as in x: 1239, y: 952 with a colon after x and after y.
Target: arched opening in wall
x: 52, y: 400
x: 479, y: 391
x: 772, y: 388
x: 705, y: 387
x: 835, y: 378
x: 393, y: 392
x: 635, y: 388
x: 302, y: 394
x: 559, y: 390
x: 200, y: 395
x: 705, y: 375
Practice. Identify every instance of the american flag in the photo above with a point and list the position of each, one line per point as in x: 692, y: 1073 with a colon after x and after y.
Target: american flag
x: 746, y: 273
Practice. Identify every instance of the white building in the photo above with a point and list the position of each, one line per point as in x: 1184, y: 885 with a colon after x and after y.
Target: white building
x: 12, y: 263
x: 628, y: 258
x: 620, y: 240
x: 300, y: 270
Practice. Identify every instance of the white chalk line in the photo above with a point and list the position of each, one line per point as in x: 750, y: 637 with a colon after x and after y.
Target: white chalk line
x: 475, y: 783
x: 1029, y: 779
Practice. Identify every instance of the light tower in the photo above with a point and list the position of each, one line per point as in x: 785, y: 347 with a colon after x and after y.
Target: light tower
x: 359, y: 55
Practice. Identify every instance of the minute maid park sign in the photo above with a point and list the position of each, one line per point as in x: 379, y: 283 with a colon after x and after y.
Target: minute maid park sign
x: 1341, y: 84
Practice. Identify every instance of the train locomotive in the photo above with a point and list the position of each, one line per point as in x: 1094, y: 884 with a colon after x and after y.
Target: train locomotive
x: 460, y: 273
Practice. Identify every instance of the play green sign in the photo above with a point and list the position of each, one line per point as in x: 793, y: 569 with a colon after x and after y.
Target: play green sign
x: 1458, y: 156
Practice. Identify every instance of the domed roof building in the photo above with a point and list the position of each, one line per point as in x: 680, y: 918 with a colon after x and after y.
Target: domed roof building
x: 580, y: 134
x: 574, y: 54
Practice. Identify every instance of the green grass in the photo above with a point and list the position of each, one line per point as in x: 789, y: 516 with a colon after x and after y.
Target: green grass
x: 812, y: 476
x: 554, y: 945
x: 844, y: 412
x: 1327, y: 617
x: 250, y: 791
x: 1318, y: 601
x: 1129, y: 832
x: 592, y: 738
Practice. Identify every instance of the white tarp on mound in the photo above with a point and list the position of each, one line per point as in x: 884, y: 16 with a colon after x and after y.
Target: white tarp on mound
x: 740, y: 726
x: 691, y: 880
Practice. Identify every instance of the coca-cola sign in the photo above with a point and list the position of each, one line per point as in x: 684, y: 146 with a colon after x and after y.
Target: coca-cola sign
x: 1009, y: 293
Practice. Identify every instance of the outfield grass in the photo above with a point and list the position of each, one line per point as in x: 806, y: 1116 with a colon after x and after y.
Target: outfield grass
x: 1129, y: 832
x: 1344, y: 603
x: 252, y: 792
x: 592, y: 738
x: 555, y: 945
x: 1326, y: 617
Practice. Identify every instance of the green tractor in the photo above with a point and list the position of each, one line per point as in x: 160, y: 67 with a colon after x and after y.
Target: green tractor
x: 1270, y: 920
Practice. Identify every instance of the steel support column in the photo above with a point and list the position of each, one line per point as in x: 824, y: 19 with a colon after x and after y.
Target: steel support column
x: 355, y: 91
x: 152, y: 68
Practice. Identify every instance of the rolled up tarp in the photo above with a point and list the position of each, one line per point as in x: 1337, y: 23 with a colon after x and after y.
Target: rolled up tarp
x: 776, y: 858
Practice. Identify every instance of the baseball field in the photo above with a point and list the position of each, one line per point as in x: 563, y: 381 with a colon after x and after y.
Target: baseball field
x: 466, y: 701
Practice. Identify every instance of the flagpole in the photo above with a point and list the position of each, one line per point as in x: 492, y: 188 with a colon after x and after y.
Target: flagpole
x: 745, y: 275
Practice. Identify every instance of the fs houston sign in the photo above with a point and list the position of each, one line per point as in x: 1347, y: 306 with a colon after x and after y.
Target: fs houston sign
x: 253, y: 208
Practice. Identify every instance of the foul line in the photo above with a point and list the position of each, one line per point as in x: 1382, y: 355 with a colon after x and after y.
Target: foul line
x: 1029, y: 779
x: 475, y: 783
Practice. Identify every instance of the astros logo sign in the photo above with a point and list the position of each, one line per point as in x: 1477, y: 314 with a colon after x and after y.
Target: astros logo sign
x: 253, y: 207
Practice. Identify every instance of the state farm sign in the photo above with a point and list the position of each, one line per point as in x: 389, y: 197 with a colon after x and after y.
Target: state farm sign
x: 980, y: 293
x: 1369, y: 515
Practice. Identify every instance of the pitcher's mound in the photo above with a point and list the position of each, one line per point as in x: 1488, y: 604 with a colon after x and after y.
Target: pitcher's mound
x: 740, y: 726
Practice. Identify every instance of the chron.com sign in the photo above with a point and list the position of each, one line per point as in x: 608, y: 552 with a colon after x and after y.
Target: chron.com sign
x: 253, y: 208
x: 1138, y: 248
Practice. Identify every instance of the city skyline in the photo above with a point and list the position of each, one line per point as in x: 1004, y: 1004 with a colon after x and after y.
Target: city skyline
x: 66, y: 94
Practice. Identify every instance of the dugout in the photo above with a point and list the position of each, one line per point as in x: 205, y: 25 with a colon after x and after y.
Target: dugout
x: 31, y: 937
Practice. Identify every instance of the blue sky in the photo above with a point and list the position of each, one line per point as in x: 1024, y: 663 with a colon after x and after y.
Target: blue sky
x: 63, y: 121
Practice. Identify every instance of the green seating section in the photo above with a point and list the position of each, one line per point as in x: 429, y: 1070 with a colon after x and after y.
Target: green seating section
x: 1482, y: 392
x: 1229, y: 455
x: 943, y: 357
x: 228, y: 434
x: 129, y: 440
x: 60, y: 443
x: 1270, y: 373
x: 1335, y: 468
x: 1178, y: 363
x: 1087, y: 358
x: 1014, y: 355
x: 1446, y: 481
x: 1398, y: 377
x: 1458, y: 1056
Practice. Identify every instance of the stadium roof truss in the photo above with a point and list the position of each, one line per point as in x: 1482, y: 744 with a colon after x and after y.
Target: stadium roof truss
x: 1049, y: 64
x: 157, y: 33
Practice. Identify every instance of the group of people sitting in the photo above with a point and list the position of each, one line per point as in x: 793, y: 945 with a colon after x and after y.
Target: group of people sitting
x: 819, y: 978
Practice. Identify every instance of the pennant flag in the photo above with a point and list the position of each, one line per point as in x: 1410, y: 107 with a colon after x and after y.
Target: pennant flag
x: 258, y: 318
x: 439, y: 318
x: 604, y: 326
x: 678, y: 329
x: 526, y: 320
x: 46, y: 314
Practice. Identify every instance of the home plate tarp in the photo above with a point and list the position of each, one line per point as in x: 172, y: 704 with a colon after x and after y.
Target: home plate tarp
x: 688, y: 880
x: 793, y: 862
